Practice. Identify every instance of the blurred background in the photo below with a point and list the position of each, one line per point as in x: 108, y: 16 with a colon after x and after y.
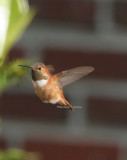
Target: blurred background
x: 67, y: 34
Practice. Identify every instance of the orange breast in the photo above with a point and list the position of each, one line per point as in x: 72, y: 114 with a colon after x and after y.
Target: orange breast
x: 48, y: 92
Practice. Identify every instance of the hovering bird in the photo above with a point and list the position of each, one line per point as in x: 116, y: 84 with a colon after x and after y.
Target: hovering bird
x: 48, y: 86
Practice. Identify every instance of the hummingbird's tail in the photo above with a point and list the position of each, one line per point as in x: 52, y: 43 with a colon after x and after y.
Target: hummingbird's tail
x: 65, y: 103
x: 69, y: 105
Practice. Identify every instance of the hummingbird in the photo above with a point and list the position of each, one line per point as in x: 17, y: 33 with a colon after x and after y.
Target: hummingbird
x: 49, y: 86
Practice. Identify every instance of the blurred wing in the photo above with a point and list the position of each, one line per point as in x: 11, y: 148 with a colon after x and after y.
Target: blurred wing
x: 50, y: 68
x: 69, y: 76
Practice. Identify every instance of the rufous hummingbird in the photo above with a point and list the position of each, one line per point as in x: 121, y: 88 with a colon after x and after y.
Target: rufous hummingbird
x: 48, y: 86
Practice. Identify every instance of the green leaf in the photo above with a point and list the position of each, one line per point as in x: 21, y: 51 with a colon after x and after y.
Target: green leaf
x: 4, y: 23
x: 11, y: 73
x: 15, y: 16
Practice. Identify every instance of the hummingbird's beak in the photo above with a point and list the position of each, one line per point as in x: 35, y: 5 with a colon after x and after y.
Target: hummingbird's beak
x: 25, y: 66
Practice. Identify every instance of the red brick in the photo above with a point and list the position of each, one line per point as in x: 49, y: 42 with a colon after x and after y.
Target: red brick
x: 56, y: 150
x: 15, y: 53
x: 120, y: 10
x: 108, y: 65
x: 66, y: 10
x: 102, y: 110
x: 28, y: 106
x: 3, y: 144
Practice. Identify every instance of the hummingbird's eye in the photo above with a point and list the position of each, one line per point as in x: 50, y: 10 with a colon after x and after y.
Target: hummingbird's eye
x: 39, y: 68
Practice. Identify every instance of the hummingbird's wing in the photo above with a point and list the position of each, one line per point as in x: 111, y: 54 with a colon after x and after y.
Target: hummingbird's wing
x: 50, y: 68
x: 69, y: 76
